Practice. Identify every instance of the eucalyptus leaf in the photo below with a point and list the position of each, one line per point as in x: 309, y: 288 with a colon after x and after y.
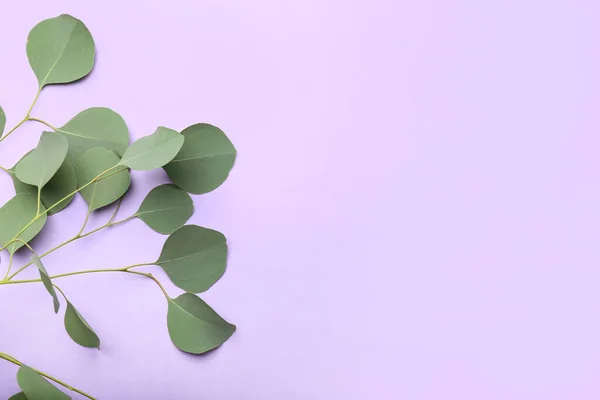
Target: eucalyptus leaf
x: 194, y: 327
x: 46, y: 281
x: 15, y: 215
x: 39, y: 166
x: 194, y: 258
x: 153, y: 151
x: 2, y: 121
x: 18, y: 396
x: 95, y: 127
x: 62, y: 184
x: 107, y: 190
x: 60, y: 50
x: 204, y: 161
x: 78, y: 328
x: 166, y: 208
x: 36, y: 387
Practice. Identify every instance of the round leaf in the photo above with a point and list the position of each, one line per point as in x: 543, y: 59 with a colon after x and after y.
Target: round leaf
x: 104, y: 191
x: 18, y: 396
x: 63, y: 183
x: 79, y: 330
x: 40, y: 165
x: 153, y: 151
x: 2, y: 121
x: 15, y: 215
x: 166, y: 208
x: 194, y: 258
x: 36, y: 387
x: 204, y: 161
x: 95, y: 127
x: 46, y: 281
x: 194, y: 327
x: 60, y: 50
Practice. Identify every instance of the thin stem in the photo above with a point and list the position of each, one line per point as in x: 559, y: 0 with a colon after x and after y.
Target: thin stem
x: 10, y: 263
x: 114, y: 214
x: 13, y: 360
x: 6, y: 170
x: 13, y: 129
x: 87, y: 216
x: 39, y: 199
x: 35, y: 99
x: 41, y: 121
x: 94, y: 271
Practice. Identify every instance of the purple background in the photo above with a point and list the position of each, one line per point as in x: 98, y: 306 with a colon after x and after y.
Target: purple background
x: 414, y: 214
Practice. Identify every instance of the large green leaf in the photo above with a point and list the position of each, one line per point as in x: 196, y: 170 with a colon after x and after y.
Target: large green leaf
x: 204, y: 161
x: 62, y: 184
x: 18, y: 396
x: 194, y: 327
x: 15, y: 215
x: 78, y: 328
x: 194, y: 258
x: 60, y: 50
x: 36, y: 387
x: 40, y: 165
x: 107, y: 190
x: 153, y: 151
x: 95, y: 127
x: 166, y: 208
x: 46, y: 281
x: 2, y: 121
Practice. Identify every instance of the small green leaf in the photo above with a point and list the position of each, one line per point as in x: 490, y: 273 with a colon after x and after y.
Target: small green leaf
x: 15, y: 215
x: 63, y: 183
x: 166, y: 208
x: 153, y: 151
x: 2, y: 121
x: 36, y: 387
x: 46, y: 281
x: 194, y: 258
x: 204, y: 161
x: 95, y: 127
x: 18, y: 396
x: 60, y: 50
x: 194, y: 327
x: 107, y: 190
x: 79, y: 330
x: 40, y: 165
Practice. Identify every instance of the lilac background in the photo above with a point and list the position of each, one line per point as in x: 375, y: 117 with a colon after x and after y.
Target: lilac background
x: 414, y: 214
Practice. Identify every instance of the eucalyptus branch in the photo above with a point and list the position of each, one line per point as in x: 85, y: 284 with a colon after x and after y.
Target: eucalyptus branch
x: 95, y: 146
x: 13, y: 360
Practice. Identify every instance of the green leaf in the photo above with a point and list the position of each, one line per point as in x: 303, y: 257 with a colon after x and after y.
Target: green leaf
x: 60, y: 50
x: 63, y: 183
x: 107, y: 190
x: 15, y: 215
x: 40, y: 165
x: 18, y: 396
x: 36, y: 387
x: 194, y: 327
x: 194, y: 258
x: 46, y: 281
x: 166, y: 208
x: 2, y: 121
x: 204, y: 161
x: 153, y: 151
x: 79, y: 330
x: 95, y: 127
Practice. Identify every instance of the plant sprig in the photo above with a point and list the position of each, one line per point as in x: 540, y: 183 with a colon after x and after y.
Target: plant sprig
x: 91, y: 155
